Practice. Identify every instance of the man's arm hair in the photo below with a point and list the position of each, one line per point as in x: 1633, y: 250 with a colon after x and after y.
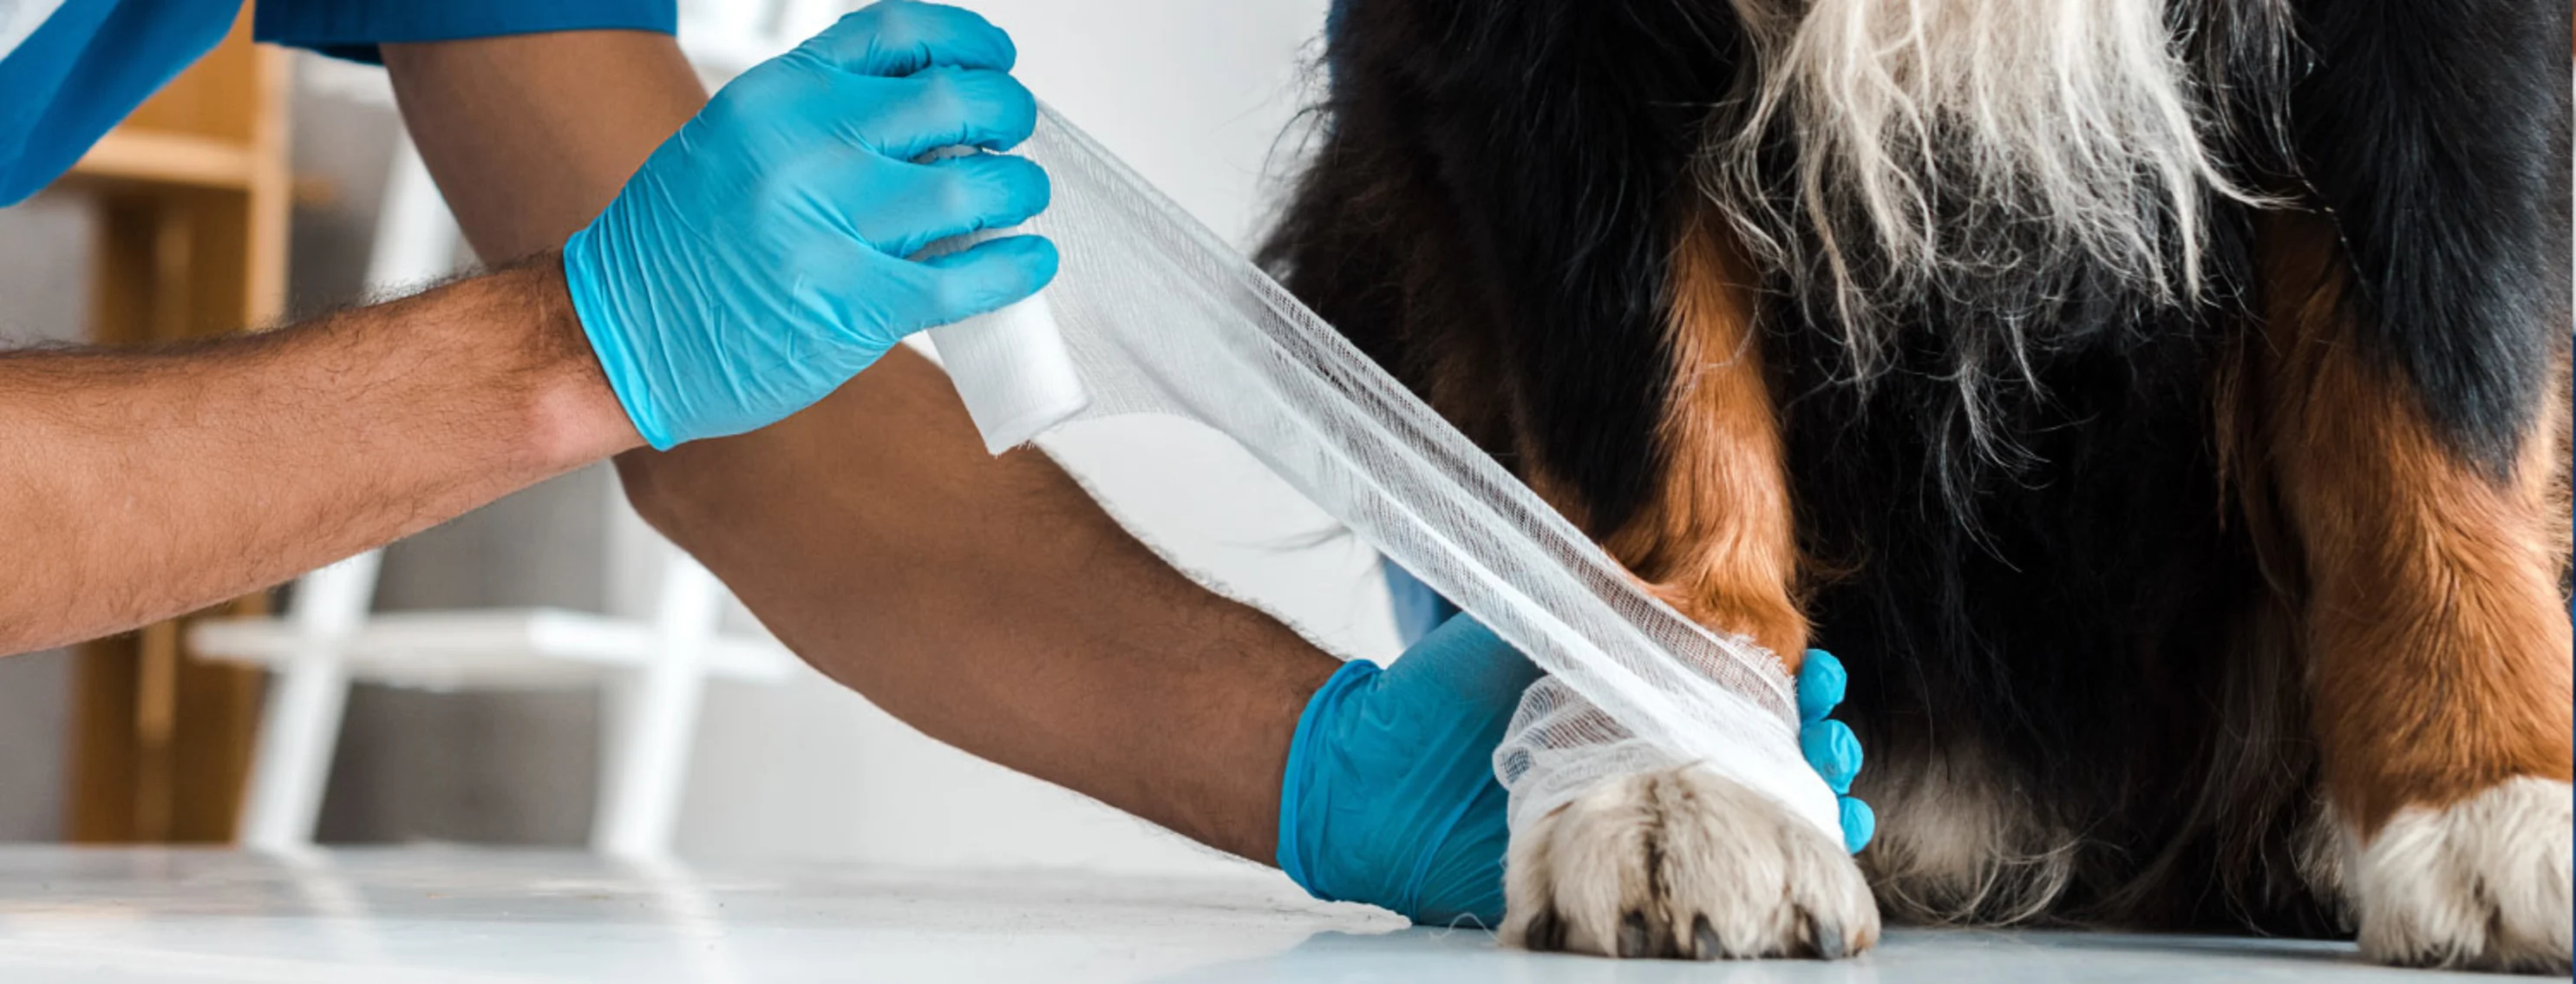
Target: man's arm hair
x: 136, y: 485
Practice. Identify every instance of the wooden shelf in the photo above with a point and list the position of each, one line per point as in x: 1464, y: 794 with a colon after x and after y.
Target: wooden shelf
x: 190, y: 194
x: 136, y: 154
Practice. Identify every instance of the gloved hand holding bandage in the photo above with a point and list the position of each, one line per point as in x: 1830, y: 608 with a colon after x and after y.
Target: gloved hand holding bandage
x: 760, y: 257
x: 1390, y: 796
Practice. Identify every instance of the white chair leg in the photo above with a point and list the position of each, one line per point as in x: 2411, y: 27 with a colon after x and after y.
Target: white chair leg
x: 416, y: 236
x: 648, y: 758
x: 300, y: 724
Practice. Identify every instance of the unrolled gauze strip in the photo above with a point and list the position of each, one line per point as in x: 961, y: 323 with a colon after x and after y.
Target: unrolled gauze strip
x: 1158, y: 315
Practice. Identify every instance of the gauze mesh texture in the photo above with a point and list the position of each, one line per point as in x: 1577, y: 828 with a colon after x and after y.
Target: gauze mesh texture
x: 1160, y: 315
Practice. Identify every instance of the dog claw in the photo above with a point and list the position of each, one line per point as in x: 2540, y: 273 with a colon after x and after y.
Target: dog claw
x: 1829, y: 940
x: 1546, y: 931
x: 1635, y: 939
x: 1704, y: 940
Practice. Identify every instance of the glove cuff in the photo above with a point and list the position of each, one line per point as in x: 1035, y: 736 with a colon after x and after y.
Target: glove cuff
x: 1303, y: 747
x: 581, y: 275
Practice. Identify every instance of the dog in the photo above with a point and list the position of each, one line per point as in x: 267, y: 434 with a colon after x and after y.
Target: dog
x: 2160, y: 406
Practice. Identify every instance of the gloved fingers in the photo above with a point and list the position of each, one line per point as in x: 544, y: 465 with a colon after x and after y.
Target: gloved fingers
x: 900, y: 37
x: 987, y: 276
x: 1821, y: 682
x: 1833, y: 751
x: 925, y: 203
x: 933, y: 109
x: 1462, y: 660
x: 1860, y: 823
x: 1830, y: 746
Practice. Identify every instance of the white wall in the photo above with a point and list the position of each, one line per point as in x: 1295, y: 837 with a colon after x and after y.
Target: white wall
x: 1196, y: 96
x: 45, y: 247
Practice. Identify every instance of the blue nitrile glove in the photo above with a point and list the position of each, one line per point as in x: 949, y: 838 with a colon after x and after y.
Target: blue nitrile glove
x: 759, y: 259
x: 1390, y: 796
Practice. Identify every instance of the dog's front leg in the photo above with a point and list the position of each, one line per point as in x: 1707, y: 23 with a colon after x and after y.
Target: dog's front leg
x: 2419, y: 336
x: 1679, y: 861
x: 2437, y: 640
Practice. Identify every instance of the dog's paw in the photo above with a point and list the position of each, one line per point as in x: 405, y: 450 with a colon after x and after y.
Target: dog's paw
x: 2482, y: 883
x: 1683, y: 863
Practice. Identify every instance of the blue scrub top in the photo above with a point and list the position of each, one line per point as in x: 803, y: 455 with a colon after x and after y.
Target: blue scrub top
x: 93, y: 61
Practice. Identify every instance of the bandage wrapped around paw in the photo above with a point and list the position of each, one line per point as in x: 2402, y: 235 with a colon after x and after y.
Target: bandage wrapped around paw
x: 1390, y: 796
x: 1158, y: 315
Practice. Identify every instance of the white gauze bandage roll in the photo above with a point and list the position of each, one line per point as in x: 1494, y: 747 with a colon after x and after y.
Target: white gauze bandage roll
x: 1152, y: 313
x: 1012, y: 372
x: 1010, y: 367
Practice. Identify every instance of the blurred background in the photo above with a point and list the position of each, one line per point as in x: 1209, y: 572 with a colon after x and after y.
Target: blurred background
x: 1202, y: 98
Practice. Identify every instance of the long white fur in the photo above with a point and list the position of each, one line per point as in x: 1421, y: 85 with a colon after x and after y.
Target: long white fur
x: 1957, y: 845
x: 2080, y: 116
x: 2481, y: 883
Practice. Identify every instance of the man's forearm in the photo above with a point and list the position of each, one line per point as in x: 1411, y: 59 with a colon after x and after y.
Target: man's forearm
x: 139, y: 485
x: 990, y: 604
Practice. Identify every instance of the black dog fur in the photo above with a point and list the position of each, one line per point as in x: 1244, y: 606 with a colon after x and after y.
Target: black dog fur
x: 1489, y: 213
